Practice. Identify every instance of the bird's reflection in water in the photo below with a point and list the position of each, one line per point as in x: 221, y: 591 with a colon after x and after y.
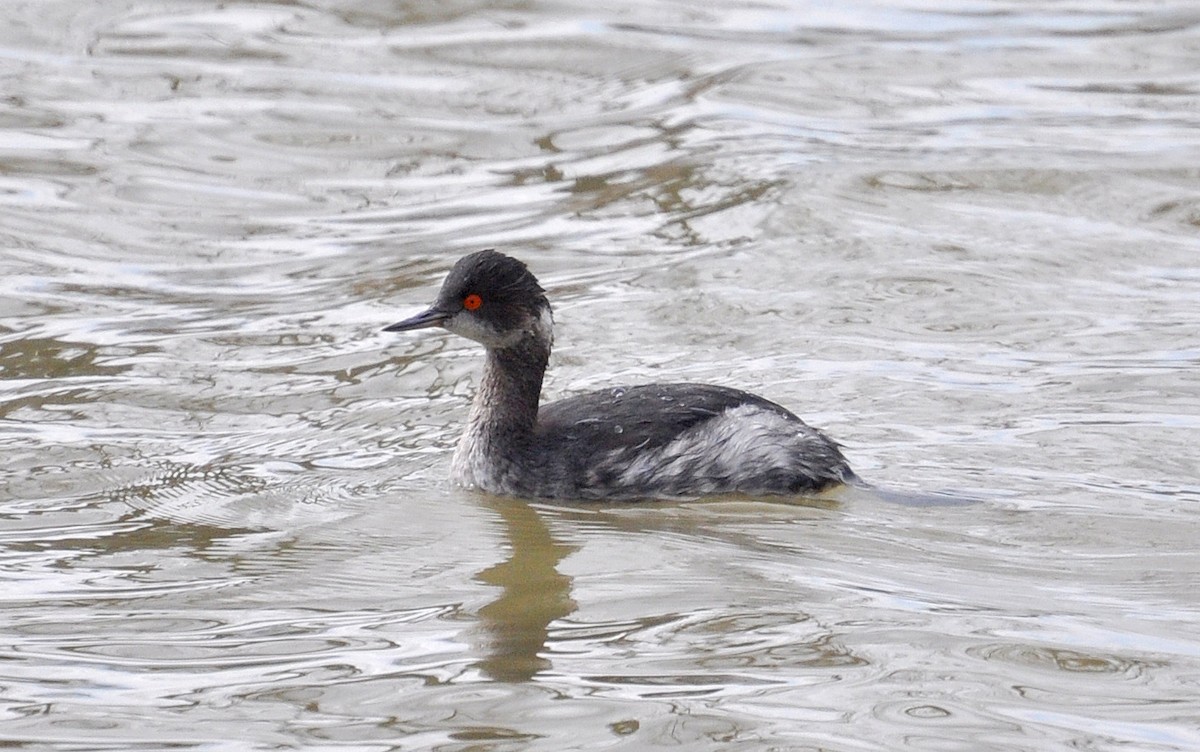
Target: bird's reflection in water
x: 533, y: 594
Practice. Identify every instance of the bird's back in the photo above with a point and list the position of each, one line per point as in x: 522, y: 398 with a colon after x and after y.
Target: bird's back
x: 679, y: 440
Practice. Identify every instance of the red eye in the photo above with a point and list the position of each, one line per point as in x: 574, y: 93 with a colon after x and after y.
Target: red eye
x: 472, y: 302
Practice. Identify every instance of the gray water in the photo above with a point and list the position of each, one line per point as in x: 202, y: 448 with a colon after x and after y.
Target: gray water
x: 961, y: 237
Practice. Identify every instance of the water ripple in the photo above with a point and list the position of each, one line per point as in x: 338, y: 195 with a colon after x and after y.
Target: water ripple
x: 960, y: 238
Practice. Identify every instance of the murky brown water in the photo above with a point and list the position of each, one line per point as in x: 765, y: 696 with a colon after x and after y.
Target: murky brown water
x: 964, y: 237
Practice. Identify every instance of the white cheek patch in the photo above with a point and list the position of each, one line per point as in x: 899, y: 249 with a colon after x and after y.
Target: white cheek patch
x: 472, y: 327
x: 464, y: 324
x: 543, y: 327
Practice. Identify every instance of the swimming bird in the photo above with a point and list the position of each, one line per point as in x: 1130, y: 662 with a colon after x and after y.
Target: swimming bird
x: 627, y: 442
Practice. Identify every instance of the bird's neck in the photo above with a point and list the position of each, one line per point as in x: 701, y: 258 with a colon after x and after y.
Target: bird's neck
x: 506, y: 405
x: 503, y: 416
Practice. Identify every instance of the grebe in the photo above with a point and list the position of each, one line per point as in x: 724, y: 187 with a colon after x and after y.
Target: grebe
x: 649, y: 441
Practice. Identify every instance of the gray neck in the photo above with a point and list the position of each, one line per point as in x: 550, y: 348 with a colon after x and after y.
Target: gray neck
x: 504, y: 414
x: 506, y: 405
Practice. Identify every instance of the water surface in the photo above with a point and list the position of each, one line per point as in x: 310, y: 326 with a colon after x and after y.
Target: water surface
x: 959, y: 236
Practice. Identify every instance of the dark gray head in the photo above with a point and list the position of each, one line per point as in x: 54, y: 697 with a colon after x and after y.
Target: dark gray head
x: 490, y: 298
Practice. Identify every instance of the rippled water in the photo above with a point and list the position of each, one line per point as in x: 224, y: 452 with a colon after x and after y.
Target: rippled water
x: 960, y: 236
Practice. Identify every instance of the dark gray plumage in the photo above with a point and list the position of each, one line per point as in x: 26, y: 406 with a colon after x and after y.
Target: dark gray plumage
x: 656, y: 440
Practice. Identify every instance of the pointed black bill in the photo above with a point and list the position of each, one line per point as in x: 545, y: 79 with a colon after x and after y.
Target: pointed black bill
x: 424, y: 319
